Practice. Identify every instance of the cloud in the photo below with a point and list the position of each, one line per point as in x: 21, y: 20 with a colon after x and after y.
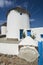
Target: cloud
x: 31, y: 20
x: 1, y: 3
x: 5, y: 3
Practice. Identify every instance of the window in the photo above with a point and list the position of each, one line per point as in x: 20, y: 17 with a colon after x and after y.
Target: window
x: 41, y: 35
x: 28, y: 32
x: 21, y: 13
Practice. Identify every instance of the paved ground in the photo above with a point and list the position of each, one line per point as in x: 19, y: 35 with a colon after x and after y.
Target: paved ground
x: 14, y: 60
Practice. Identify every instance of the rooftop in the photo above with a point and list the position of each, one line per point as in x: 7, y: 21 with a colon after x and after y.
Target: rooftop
x: 19, y: 9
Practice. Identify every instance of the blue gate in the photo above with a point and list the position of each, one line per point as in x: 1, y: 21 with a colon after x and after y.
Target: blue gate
x: 40, y: 50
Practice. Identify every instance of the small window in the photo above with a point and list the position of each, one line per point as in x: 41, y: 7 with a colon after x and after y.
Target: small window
x: 28, y: 32
x: 21, y: 13
x: 41, y: 35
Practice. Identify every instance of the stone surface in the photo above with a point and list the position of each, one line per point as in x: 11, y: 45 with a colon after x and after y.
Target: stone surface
x: 14, y: 60
x: 28, y: 53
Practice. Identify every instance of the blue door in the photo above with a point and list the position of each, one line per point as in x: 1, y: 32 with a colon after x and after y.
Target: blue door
x: 40, y: 50
x: 28, y: 32
x: 21, y: 33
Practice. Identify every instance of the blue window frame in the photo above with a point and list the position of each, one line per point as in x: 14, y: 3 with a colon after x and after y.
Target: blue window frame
x: 41, y: 35
x: 28, y: 32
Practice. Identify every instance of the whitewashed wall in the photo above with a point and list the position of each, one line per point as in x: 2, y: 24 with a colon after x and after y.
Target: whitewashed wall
x: 15, y: 22
x: 37, y: 32
x: 3, y: 30
x: 11, y: 49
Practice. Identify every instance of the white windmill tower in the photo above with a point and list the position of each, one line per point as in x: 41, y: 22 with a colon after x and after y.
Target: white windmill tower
x: 18, y: 18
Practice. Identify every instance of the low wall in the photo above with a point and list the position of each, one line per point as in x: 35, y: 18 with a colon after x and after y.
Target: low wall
x: 11, y: 49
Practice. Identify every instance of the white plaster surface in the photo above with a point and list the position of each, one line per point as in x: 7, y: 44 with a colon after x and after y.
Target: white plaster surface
x: 15, y: 22
x: 11, y: 49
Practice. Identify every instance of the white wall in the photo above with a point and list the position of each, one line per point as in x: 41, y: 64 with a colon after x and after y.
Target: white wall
x: 3, y: 30
x: 11, y: 49
x: 15, y: 22
x: 37, y: 32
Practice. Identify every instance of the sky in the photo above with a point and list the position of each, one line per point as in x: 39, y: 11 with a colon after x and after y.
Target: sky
x: 35, y: 8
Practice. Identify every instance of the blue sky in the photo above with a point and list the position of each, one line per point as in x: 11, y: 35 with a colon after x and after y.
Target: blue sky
x: 35, y: 7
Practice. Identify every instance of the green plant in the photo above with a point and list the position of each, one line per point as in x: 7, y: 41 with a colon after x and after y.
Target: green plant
x: 32, y: 36
x: 24, y: 35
